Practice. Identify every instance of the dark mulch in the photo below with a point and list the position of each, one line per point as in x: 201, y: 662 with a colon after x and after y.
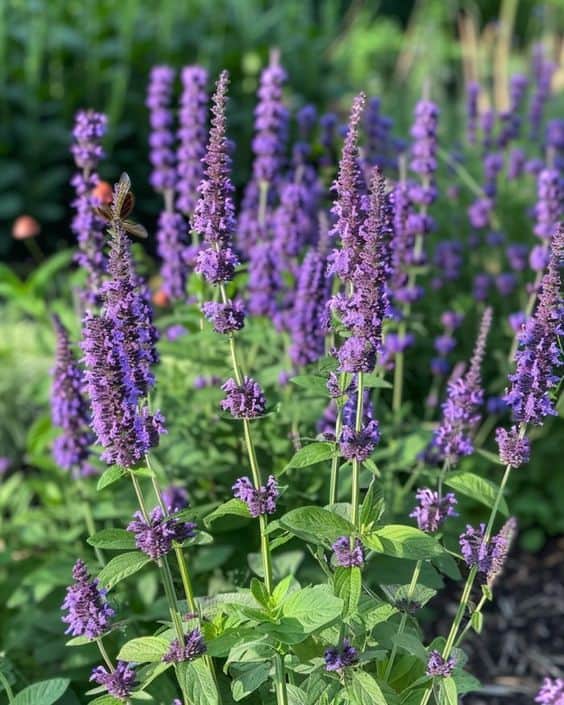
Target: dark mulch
x: 523, y: 636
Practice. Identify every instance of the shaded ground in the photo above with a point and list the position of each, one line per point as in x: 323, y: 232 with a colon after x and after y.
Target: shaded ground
x: 523, y: 636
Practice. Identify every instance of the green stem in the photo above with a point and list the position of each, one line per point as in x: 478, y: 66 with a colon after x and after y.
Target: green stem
x: 355, y: 498
x: 335, y: 461
x: 469, y: 623
x: 105, y: 656
x: 280, y: 680
x: 398, y: 375
x: 7, y: 688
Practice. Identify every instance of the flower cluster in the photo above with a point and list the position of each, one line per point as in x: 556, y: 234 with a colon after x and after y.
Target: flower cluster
x: 88, y: 611
x: 261, y: 500
x: 119, y: 682
x: 192, y: 647
x: 514, y: 449
x: 438, y: 666
x: 424, y: 150
x: 161, y: 141
x: 359, y: 445
x: 552, y: 692
x: 433, y: 509
x: 339, y: 658
x: 245, y: 400
x: 486, y: 556
x: 155, y: 534
x: 348, y: 553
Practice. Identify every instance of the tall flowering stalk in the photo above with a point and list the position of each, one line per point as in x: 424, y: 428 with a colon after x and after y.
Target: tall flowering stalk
x: 215, y: 219
x: 89, y: 130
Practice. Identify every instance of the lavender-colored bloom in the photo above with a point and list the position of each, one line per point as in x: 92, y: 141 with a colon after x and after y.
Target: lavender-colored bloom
x: 88, y: 611
x: 444, y: 344
x: 265, y: 281
x: 393, y: 345
x: 378, y: 139
x: 514, y: 450
x: 480, y: 286
x: 496, y: 405
x: 452, y: 320
x: 552, y: 692
x: 478, y: 553
x: 437, y: 666
x: 439, y: 366
x: 175, y: 331
x: 479, y: 212
x: 328, y: 125
x: 555, y: 134
x: 5, y: 464
x: 192, y: 647
x: 306, y: 117
x: 69, y: 409
x: 307, y: 321
x: 201, y: 382
x: 538, y: 354
x: 452, y: 438
x: 175, y: 498
x: 161, y: 140
x: 549, y: 204
x: 487, y: 124
x: 506, y: 283
x: 472, y: 94
x: 517, y: 256
x: 347, y: 555
x: 493, y: 164
x: 339, y: 658
x: 424, y: 150
x: 260, y: 500
x: 517, y: 320
x: 448, y: 261
x: 543, y: 71
x: 89, y: 129
x: 154, y: 535
x: 172, y: 247
x: 539, y: 257
x: 244, y: 401
x: 192, y: 133
x: 433, y: 509
x: 516, y: 163
x: 294, y: 223
x: 359, y: 445
x: 402, y: 243
x: 119, y: 682
x: 216, y: 266
x: 225, y: 318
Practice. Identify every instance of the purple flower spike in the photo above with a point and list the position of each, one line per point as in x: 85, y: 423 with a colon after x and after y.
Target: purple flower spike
x: 245, y: 401
x: 225, y: 318
x: 359, y: 445
x: 552, y: 692
x: 69, y: 410
x: 337, y: 659
x: 154, y: 536
x: 486, y: 556
x: 259, y: 501
x: 173, y: 249
x: 438, y: 666
x: 159, y: 94
x: 348, y: 556
x: 88, y: 612
x: 119, y: 682
x: 433, y: 509
x: 193, y: 647
x: 175, y: 498
x: 549, y: 207
x: 513, y: 450
x: 192, y: 133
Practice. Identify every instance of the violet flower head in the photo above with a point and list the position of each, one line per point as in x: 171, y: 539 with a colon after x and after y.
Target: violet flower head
x: 245, y: 400
x: 339, y: 658
x: 89, y: 130
x: 500, y: 550
x: 69, y: 409
x: 437, y: 666
x: 550, y: 202
x: 551, y: 692
x: 161, y: 140
x: 433, y: 509
x: 259, y: 501
x: 173, y: 248
x: 402, y: 244
x: 347, y: 555
x: 175, y: 498
x: 119, y: 682
x: 359, y: 445
x: 294, y: 222
x: 192, y: 135
x: 514, y: 450
x: 377, y: 128
x: 516, y: 163
x: 225, y: 318
x: 88, y: 611
x: 265, y: 281
x: 193, y: 647
x: 538, y: 354
x: 424, y: 150
x: 479, y: 212
x: 155, y: 534
x: 460, y: 415
x: 478, y: 553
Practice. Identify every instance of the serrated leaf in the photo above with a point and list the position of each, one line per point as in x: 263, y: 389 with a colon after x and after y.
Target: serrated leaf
x: 347, y: 584
x: 476, y: 487
x: 372, y: 505
x: 316, y: 524
x: 365, y: 690
x: 113, y: 539
x: 311, y: 454
x: 197, y: 682
x: 110, y: 476
x: 144, y: 649
x: 402, y: 541
x: 122, y: 567
x: 233, y: 507
x: 42, y: 693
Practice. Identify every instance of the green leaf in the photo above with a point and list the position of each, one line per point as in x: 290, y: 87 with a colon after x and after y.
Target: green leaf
x: 78, y: 641
x: 311, y: 454
x: 106, y: 700
x: 122, y: 567
x: 403, y: 542
x: 488, y: 455
x: 480, y: 489
x: 42, y: 693
x: 411, y: 644
x: 259, y: 592
x: 373, y: 504
x: 313, y: 607
x: 477, y: 621
x: 113, y: 539
x: 347, y: 583
x: 316, y: 524
x: 313, y: 383
x: 375, y: 381
x: 144, y: 648
x: 197, y: 682
x: 249, y: 677
x: 233, y: 507
x: 365, y: 690
x: 465, y: 682
x: 110, y: 476
x: 448, y: 694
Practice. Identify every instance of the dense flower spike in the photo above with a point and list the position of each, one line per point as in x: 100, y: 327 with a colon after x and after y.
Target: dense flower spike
x: 552, y: 692
x: 424, y: 150
x: 245, y: 401
x: 89, y: 129
x: 538, y: 354
x: 69, y: 410
x: 88, y: 612
x: 438, y: 666
x: 119, y: 682
x: 433, y: 509
x: 505, y: 538
x: 339, y: 658
x: 265, y: 280
x: 192, y: 134
x: 484, y: 555
x: 259, y: 501
x: 359, y: 445
x: 154, y: 535
x: 174, y: 250
x: 543, y: 70
x: 514, y: 450
x: 348, y: 556
x: 161, y: 140
x: 175, y: 498
x: 452, y: 438
x: 550, y: 203
x: 225, y: 318
x: 193, y: 647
